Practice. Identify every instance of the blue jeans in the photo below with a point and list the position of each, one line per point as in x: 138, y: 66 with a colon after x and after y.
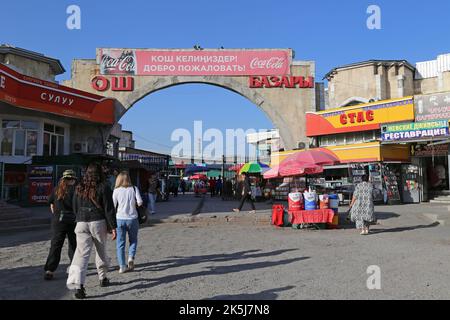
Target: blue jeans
x: 152, y: 202
x: 123, y: 227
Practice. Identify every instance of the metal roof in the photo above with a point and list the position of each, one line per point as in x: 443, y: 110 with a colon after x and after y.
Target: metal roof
x: 369, y: 62
x: 55, y: 64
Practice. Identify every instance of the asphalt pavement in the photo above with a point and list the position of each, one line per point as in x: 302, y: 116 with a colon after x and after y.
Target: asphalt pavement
x: 251, y: 261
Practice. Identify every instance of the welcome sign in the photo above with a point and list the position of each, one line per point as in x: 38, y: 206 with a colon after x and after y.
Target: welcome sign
x: 238, y: 62
x: 414, y: 130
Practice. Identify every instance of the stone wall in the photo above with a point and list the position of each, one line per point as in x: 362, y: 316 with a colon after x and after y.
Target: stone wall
x: 369, y: 81
x: 440, y: 83
x: 29, y: 67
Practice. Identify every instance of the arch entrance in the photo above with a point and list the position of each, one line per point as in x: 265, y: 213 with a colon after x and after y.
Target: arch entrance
x: 282, y: 88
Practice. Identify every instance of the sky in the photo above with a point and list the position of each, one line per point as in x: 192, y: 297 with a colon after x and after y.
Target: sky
x: 330, y: 32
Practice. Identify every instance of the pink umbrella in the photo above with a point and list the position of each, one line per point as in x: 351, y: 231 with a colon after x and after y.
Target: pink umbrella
x: 299, y: 169
x: 317, y: 156
x: 307, y: 162
x: 272, y: 173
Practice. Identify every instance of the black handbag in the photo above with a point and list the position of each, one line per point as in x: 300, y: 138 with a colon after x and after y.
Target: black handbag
x: 142, y: 212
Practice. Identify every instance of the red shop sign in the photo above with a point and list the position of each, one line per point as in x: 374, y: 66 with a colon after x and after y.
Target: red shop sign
x: 357, y: 117
x: 31, y: 93
x: 280, y: 82
x: 102, y: 83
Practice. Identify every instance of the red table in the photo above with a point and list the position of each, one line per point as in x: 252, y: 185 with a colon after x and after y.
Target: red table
x: 312, y: 216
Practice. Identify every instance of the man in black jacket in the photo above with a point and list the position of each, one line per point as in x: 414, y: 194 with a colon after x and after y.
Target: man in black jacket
x: 246, y: 194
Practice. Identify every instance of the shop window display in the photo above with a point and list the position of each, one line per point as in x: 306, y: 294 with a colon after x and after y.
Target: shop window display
x: 391, y: 176
x: 437, y: 174
x: 53, y: 140
x: 19, y: 138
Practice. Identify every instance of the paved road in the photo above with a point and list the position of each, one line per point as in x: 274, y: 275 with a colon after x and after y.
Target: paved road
x: 232, y: 261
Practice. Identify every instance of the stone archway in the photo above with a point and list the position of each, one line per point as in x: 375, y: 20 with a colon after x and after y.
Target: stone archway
x: 230, y: 84
x: 285, y: 106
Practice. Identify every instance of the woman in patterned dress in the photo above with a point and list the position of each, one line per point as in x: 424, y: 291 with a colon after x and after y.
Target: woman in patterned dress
x: 361, y: 207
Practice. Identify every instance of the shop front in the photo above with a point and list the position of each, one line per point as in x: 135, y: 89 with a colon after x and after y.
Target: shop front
x: 43, y: 119
x: 353, y: 134
x: 431, y: 154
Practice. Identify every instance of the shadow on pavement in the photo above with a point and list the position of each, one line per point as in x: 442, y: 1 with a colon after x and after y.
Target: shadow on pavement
x: 25, y: 237
x: 144, y: 284
x: 270, y: 294
x: 174, y: 262
x: 402, y: 229
x: 386, y: 215
x: 27, y: 283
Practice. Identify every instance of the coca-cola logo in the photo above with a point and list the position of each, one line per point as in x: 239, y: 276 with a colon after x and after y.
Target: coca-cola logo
x: 272, y: 63
x: 124, y: 64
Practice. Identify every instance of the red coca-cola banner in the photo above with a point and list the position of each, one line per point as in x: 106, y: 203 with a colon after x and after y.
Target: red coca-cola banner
x: 194, y: 62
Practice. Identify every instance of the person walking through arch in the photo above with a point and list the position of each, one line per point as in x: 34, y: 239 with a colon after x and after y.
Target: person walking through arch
x: 125, y: 198
x: 154, y: 188
x: 95, y: 214
x: 246, y: 194
x: 63, y: 222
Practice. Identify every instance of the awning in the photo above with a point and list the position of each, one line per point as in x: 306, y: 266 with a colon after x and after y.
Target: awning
x: 31, y: 93
x: 338, y: 166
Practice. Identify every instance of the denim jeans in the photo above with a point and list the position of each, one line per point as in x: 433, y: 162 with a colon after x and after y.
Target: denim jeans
x: 152, y: 202
x: 123, y: 227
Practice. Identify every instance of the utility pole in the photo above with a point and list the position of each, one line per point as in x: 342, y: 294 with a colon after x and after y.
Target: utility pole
x: 223, y: 167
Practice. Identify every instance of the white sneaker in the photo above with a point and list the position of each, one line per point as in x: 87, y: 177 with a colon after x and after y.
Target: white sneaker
x: 131, y: 264
x: 123, y: 269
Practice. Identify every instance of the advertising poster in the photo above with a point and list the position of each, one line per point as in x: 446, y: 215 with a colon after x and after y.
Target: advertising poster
x: 139, y: 62
x: 432, y: 107
x: 414, y: 130
x: 40, y: 179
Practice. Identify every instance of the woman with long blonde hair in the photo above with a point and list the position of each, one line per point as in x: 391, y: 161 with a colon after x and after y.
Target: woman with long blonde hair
x: 125, y: 198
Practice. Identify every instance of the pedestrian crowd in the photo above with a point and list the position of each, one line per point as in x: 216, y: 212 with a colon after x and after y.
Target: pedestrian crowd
x: 85, y: 212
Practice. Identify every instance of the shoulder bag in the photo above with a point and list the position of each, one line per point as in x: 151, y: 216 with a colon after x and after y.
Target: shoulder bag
x: 141, y: 210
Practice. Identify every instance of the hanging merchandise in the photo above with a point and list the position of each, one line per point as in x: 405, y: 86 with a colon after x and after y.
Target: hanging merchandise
x: 357, y: 173
x: 391, y: 176
x: 410, y: 190
x: 376, y: 179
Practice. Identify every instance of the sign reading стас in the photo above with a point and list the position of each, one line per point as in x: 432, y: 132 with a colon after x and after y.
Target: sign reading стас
x: 414, y: 130
x: 142, y: 62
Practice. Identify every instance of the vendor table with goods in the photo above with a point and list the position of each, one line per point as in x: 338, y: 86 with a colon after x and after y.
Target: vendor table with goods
x: 311, y: 216
x: 307, y: 210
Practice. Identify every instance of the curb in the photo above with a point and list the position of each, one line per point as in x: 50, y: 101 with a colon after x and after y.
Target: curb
x: 219, y: 218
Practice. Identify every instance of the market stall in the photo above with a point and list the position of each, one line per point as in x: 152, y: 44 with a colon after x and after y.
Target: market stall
x: 306, y: 208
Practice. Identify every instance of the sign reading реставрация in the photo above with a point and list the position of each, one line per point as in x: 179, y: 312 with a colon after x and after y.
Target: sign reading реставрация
x: 148, y: 62
x: 414, y: 130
